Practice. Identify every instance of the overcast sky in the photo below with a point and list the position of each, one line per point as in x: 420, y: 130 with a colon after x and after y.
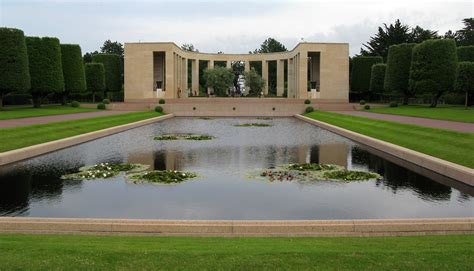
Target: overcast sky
x: 228, y: 26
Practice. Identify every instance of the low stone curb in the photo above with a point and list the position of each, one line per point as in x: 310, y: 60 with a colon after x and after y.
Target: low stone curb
x: 362, y: 227
x: 39, y: 149
x: 443, y: 167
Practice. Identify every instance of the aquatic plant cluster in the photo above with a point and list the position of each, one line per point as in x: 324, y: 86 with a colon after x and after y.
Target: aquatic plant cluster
x: 162, y: 176
x: 183, y: 137
x: 135, y: 173
x: 253, y: 125
x: 314, y: 172
x: 103, y: 171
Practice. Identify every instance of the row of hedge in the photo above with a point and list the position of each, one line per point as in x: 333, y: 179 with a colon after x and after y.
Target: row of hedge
x: 42, y: 66
x: 429, y: 68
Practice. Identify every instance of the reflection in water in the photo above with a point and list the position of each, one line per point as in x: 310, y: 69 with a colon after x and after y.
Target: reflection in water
x: 398, y: 178
x: 34, y: 187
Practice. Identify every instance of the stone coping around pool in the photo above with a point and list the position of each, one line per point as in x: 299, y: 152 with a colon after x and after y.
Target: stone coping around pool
x: 457, y: 172
x: 43, y: 148
x: 238, y: 228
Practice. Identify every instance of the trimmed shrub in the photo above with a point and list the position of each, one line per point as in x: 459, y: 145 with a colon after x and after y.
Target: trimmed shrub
x: 360, y: 74
x: 46, y: 72
x: 465, y: 79
x: 362, y: 102
x: 367, y: 107
x: 106, y: 101
x: 307, y: 101
x: 398, y: 70
x: 73, y: 68
x: 162, y: 101
x: 159, y: 109
x: 101, y: 106
x: 377, y: 77
x: 254, y: 82
x: 393, y: 104
x: 75, y: 104
x: 433, y: 68
x: 309, y: 109
x: 112, y: 64
x: 95, y: 78
x: 14, y: 69
x: 465, y: 53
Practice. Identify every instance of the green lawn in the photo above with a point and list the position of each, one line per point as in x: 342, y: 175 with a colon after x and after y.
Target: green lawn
x: 45, y: 110
x: 449, y: 145
x: 454, y: 113
x: 23, y: 136
x: 72, y: 252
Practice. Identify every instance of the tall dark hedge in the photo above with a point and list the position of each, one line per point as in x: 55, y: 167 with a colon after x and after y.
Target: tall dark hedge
x: 360, y: 75
x: 112, y: 64
x: 465, y: 78
x: 377, y: 77
x: 73, y: 68
x: 95, y: 78
x: 466, y: 53
x: 44, y: 55
x: 433, y: 68
x: 398, y: 69
x: 14, y: 70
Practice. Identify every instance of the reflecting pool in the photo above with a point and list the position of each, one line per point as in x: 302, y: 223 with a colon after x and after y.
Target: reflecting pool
x: 223, y: 190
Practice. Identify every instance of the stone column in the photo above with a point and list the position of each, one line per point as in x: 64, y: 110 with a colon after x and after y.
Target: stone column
x: 291, y: 75
x: 265, y: 76
x: 195, y: 76
x: 210, y: 64
x: 169, y: 75
x: 247, y: 66
x: 228, y: 64
x: 303, y: 75
x: 280, y: 77
x: 185, y: 77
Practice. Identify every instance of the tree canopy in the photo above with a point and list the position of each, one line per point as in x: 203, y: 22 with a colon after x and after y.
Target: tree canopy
x: 189, y: 47
x: 220, y: 79
x: 14, y: 69
x: 392, y: 34
x: 73, y: 68
x: 44, y: 55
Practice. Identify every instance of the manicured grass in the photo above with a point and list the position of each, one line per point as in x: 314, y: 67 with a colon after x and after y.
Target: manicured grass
x: 449, y: 145
x: 23, y: 136
x: 51, y: 252
x: 45, y: 110
x: 453, y: 113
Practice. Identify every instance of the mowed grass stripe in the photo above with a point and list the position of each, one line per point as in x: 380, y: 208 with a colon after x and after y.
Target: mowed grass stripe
x: 51, y: 252
x: 46, y: 110
x: 19, y: 137
x: 442, y: 112
x: 453, y: 146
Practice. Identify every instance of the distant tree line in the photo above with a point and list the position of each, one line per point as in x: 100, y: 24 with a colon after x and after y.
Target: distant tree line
x: 417, y: 62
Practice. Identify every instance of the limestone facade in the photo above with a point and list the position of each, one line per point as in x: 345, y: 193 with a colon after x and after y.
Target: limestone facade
x: 156, y: 70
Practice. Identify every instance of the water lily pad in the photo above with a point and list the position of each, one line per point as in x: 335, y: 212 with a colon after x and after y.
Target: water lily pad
x: 310, y: 172
x: 183, y: 137
x: 104, y: 171
x: 161, y: 176
x: 350, y: 175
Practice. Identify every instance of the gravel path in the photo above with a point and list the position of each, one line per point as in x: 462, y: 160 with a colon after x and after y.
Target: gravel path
x: 47, y: 119
x: 442, y: 124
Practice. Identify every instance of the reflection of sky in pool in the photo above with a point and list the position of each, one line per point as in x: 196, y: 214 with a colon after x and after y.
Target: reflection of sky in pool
x: 34, y: 188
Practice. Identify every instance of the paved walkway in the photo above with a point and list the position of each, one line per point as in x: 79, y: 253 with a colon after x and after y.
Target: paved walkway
x: 47, y: 119
x: 442, y: 124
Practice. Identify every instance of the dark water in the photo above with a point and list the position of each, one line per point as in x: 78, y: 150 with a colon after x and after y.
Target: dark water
x: 34, y: 187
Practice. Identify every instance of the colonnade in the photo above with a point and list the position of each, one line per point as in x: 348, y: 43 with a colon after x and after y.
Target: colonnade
x: 296, y: 73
